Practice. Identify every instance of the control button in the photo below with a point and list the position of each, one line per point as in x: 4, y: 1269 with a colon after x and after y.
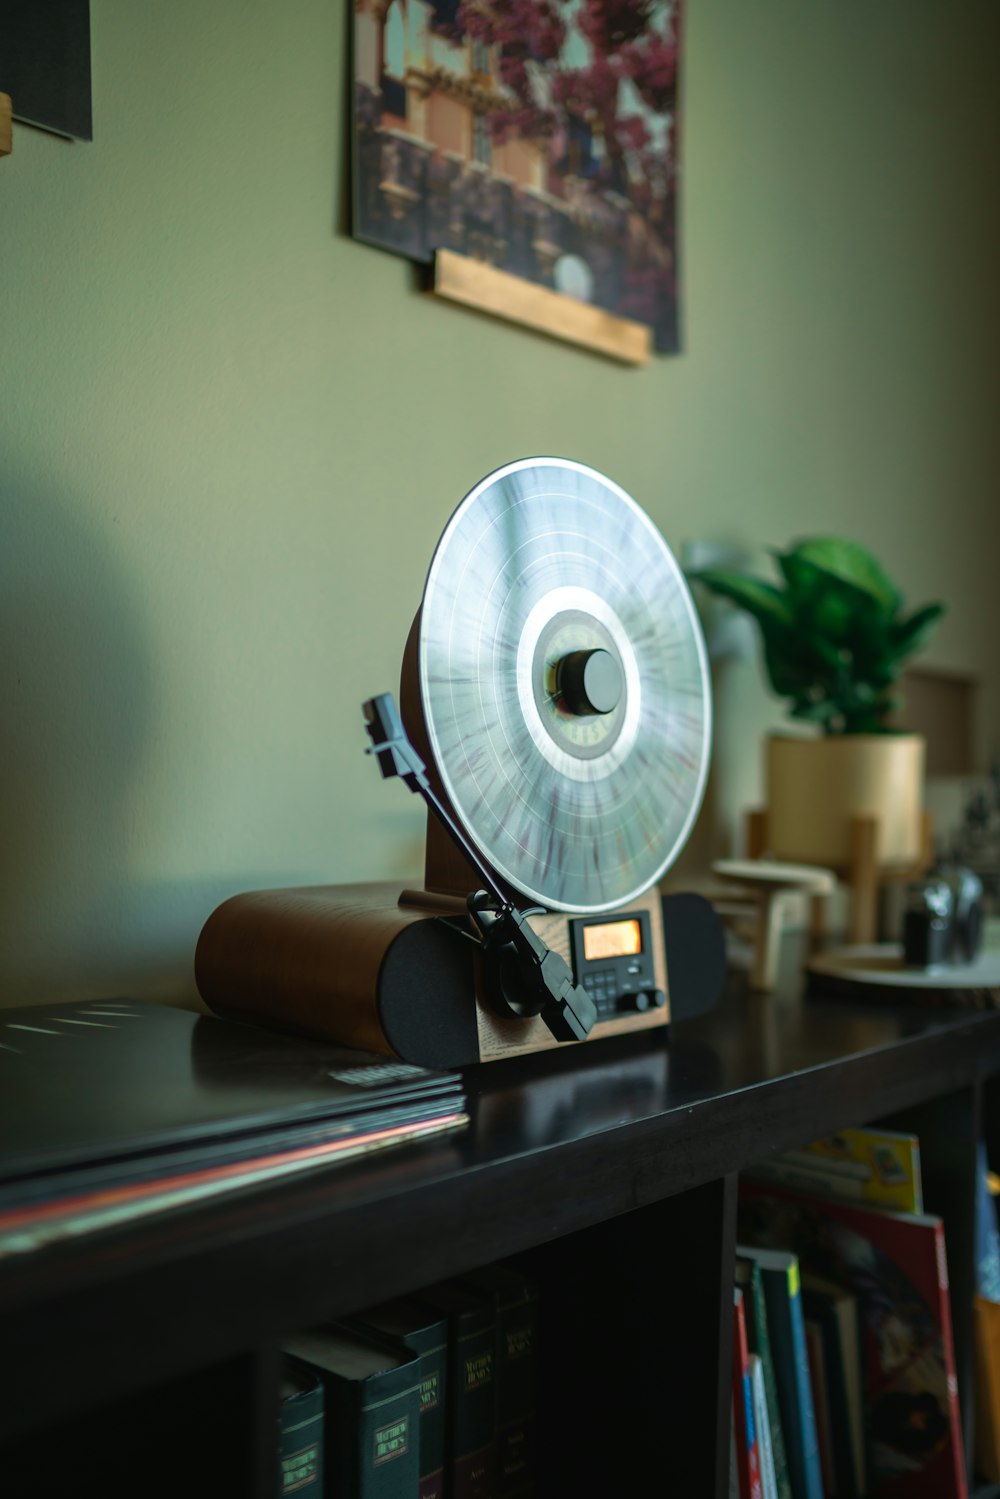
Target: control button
x: 641, y: 1001
x: 659, y: 998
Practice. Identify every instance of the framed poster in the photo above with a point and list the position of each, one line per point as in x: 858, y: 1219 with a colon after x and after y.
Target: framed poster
x: 45, y: 64
x: 537, y: 136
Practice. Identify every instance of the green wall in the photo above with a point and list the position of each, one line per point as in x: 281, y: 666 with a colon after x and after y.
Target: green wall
x: 229, y: 436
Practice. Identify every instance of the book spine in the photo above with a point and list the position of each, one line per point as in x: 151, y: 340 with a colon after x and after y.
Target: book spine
x: 517, y: 1341
x: 987, y: 1237
x: 798, y: 1422
x: 821, y: 1404
x: 987, y: 1426
x: 472, y: 1375
x: 954, y: 1414
x: 387, y: 1446
x: 372, y: 1435
x: 433, y: 1411
x: 734, y: 1462
x: 847, y: 1480
x: 747, y: 1451
x: 300, y: 1444
x: 768, y: 1481
x: 428, y: 1342
x: 759, y: 1339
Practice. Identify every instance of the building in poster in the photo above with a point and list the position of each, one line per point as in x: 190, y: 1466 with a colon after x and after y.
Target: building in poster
x: 536, y: 135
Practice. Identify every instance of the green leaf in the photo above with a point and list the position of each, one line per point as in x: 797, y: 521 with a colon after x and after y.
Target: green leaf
x: 788, y: 676
x: 912, y: 633
x: 763, y: 600
x: 815, y: 712
x: 797, y: 667
x: 826, y: 607
x: 851, y: 564
x: 834, y: 638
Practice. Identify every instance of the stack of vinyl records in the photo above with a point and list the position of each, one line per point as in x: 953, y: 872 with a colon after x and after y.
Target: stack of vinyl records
x: 113, y: 1110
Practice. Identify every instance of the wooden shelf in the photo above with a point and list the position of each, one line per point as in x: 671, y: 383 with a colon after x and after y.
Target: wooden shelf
x: 6, y: 127
x: 473, y: 283
x: 611, y: 1167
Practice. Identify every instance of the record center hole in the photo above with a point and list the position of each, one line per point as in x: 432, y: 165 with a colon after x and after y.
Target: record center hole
x: 589, y: 682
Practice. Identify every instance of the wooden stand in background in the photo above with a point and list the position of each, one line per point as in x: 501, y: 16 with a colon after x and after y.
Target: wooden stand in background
x: 6, y: 130
x: 766, y: 881
x: 863, y: 875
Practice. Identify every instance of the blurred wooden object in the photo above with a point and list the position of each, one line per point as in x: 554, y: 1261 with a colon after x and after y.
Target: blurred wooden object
x: 941, y: 706
x: 459, y: 278
x: 767, y: 880
x: 815, y: 786
x: 862, y: 873
x: 6, y: 128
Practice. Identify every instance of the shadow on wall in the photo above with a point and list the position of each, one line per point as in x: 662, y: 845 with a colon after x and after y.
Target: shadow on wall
x: 76, y: 719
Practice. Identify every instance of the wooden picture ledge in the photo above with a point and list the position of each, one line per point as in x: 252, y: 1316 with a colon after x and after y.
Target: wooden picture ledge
x: 6, y: 131
x: 457, y: 278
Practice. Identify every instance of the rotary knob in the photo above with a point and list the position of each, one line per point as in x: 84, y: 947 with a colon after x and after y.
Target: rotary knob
x: 589, y: 682
x: 645, y: 999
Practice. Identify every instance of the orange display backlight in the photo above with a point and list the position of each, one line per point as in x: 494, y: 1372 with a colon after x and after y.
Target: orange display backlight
x: 611, y: 939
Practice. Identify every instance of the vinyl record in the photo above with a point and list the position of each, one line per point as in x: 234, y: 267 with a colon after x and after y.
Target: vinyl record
x: 564, y: 685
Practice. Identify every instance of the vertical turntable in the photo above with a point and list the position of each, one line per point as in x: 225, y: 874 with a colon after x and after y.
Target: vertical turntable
x: 555, y: 716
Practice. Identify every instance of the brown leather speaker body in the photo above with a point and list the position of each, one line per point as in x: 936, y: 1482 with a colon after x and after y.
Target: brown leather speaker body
x: 364, y: 966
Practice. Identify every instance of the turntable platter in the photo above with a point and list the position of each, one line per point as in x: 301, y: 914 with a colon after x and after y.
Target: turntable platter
x: 564, y: 685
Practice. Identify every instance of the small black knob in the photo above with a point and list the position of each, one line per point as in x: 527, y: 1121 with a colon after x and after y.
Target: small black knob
x: 646, y: 999
x: 589, y: 682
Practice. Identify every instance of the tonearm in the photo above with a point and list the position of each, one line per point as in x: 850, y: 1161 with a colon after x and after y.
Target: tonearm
x: 522, y: 975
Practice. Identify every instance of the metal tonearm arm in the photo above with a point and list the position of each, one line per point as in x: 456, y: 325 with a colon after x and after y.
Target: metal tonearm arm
x: 396, y: 757
x: 523, y: 975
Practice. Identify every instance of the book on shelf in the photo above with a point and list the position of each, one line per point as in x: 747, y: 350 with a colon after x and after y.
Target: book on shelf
x: 471, y: 1409
x: 863, y: 1165
x: 895, y: 1264
x: 371, y: 1389
x: 987, y: 1236
x: 821, y: 1403
x: 515, y: 1304
x: 833, y: 1312
x: 747, y: 1449
x: 986, y: 1324
x: 734, y: 1466
x: 748, y: 1278
x: 779, y: 1270
x: 987, y: 1426
x: 762, y: 1425
x: 111, y: 1110
x: 300, y: 1431
x: 425, y: 1332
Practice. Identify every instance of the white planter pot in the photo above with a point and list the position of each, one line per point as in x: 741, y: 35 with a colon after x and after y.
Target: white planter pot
x: 816, y: 786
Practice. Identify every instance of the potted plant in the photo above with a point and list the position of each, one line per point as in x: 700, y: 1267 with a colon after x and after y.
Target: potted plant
x: 835, y: 636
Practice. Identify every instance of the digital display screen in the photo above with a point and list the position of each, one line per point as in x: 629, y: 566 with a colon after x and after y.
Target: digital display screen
x: 612, y: 939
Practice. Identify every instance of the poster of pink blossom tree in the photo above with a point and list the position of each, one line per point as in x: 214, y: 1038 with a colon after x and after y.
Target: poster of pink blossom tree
x: 539, y: 136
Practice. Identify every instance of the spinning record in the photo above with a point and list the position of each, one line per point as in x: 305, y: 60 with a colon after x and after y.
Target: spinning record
x: 564, y: 685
